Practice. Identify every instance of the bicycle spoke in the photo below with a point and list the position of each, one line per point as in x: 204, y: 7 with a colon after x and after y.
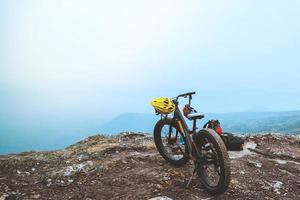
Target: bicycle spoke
x: 218, y: 171
x: 170, y: 142
x: 181, y: 150
x: 210, y: 162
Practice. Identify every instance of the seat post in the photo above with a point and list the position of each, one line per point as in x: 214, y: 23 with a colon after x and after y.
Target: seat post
x: 194, y: 125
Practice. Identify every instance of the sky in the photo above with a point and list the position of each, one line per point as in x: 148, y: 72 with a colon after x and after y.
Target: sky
x: 89, y: 61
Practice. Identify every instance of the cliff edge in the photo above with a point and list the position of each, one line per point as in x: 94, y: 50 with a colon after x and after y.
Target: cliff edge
x: 128, y: 166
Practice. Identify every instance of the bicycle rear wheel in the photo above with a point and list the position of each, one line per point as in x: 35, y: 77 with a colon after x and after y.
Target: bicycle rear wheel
x: 170, y: 142
x: 212, y: 163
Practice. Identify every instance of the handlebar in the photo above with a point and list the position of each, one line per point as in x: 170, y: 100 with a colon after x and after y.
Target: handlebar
x: 189, y: 94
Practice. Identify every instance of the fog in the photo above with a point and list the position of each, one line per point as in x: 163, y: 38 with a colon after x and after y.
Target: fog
x: 68, y: 66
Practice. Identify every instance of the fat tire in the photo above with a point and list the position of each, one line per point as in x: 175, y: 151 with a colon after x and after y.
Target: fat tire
x: 159, y: 145
x: 224, y: 161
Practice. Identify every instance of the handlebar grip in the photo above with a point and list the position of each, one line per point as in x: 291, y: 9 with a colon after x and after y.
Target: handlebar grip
x: 191, y: 93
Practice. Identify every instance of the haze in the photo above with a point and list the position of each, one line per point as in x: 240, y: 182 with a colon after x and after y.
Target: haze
x: 82, y: 63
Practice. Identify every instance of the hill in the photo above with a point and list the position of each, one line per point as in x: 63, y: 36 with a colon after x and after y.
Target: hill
x: 128, y: 166
x: 287, y: 122
x: 136, y: 122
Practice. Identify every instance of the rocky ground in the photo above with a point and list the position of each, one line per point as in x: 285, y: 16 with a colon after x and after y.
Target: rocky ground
x: 129, y: 167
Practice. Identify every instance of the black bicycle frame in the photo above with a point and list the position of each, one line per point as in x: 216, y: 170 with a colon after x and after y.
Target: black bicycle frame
x: 183, y: 127
x: 178, y: 116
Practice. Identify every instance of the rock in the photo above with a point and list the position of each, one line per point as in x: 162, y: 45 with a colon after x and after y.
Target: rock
x: 281, y: 162
x: 277, y: 185
x: 130, y: 167
x: 2, y: 197
x: 255, y: 163
x: 83, y: 156
x: 36, y: 196
x: 266, y: 187
x: 75, y: 168
x: 49, y: 182
x: 166, y: 177
x: 68, y: 171
x: 158, y: 186
x: 160, y: 198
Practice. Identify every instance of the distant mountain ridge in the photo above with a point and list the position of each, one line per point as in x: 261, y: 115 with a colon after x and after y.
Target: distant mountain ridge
x: 240, y: 122
x: 137, y: 122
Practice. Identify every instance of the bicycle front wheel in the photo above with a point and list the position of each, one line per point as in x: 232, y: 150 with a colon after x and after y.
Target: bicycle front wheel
x: 212, y: 163
x: 170, y: 142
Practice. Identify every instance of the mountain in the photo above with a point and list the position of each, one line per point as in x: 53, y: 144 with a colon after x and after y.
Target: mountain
x: 136, y: 122
x: 128, y: 166
x: 45, y: 134
x: 252, y: 122
x: 240, y: 122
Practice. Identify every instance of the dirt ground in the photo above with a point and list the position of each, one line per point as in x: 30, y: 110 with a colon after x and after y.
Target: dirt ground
x: 129, y: 167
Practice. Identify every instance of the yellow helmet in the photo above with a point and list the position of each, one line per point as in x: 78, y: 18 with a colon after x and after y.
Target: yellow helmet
x: 163, y: 105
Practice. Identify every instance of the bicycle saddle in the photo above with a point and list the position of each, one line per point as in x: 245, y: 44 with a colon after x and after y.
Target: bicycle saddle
x: 193, y: 116
x: 190, y: 113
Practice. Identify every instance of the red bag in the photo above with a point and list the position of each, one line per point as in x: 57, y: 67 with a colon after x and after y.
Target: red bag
x: 215, y: 125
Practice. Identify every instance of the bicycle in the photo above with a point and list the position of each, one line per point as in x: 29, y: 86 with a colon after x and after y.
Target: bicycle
x: 177, y: 144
